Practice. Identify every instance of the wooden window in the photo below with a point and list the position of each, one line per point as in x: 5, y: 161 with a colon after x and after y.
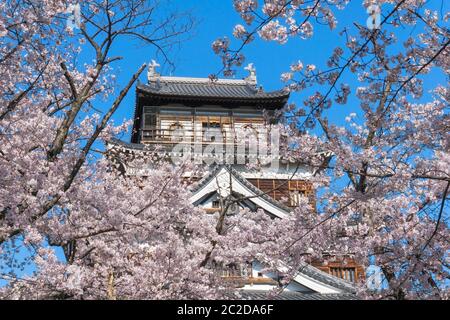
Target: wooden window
x: 210, y: 130
x: 210, y: 125
x: 348, y: 274
x: 296, y: 192
x: 250, y: 134
x: 295, y: 197
x: 216, y: 204
x: 176, y: 131
x: 149, y: 120
x: 149, y: 126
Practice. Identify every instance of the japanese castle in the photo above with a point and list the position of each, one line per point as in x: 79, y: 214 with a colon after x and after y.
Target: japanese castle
x: 203, y: 116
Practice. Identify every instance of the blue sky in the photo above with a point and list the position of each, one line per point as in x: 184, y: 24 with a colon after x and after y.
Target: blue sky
x: 216, y: 18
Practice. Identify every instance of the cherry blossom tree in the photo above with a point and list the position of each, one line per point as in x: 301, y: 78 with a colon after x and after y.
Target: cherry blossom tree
x: 54, y: 192
x: 44, y: 92
x: 121, y: 237
x: 387, y: 170
x: 125, y: 237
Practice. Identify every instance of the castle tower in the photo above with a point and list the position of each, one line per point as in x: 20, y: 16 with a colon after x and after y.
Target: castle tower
x: 224, y: 125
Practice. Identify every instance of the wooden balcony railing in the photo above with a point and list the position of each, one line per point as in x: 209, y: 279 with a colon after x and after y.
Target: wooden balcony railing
x: 170, y: 136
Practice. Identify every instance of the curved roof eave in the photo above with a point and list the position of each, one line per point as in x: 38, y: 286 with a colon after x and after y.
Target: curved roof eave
x: 224, y: 94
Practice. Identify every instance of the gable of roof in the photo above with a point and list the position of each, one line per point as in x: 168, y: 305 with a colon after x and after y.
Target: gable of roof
x: 325, y: 278
x: 322, y: 282
x: 308, y: 275
x: 219, y: 178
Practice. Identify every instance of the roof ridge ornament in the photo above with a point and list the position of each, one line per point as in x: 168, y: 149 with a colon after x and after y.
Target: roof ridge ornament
x: 151, y: 73
x: 251, y: 78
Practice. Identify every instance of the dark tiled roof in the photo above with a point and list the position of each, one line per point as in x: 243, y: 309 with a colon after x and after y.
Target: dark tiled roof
x: 326, y: 278
x: 204, y: 88
x: 291, y: 295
